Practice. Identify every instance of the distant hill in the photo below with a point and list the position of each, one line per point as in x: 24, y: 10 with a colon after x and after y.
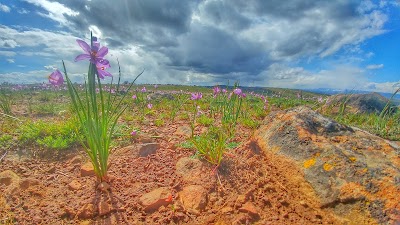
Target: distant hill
x: 327, y: 91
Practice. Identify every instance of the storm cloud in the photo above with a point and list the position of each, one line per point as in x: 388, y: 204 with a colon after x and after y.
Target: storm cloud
x: 252, y: 41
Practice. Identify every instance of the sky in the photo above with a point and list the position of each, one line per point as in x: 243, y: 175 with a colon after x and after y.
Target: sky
x: 301, y: 44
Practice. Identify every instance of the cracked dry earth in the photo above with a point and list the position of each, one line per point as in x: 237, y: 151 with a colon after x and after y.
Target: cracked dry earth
x: 152, y: 181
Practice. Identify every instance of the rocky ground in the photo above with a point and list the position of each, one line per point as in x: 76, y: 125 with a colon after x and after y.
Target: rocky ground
x: 297, y: 168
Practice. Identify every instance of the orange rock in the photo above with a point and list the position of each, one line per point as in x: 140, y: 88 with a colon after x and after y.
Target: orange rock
x: 249, y: 208
x: 87, y: 169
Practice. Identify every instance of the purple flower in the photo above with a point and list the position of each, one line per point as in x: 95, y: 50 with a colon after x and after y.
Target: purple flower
x: 95, y: 54
x: 149, y: 105
x: 237, y: 91
x: 224, y: 90
x: 199, y: 112
x: 144, y: 89
x: 56, y: 78
x: 133, y: 133
x: 134, y: 97
x: 216, y: 90
x: 101, y: 70
x: 196, y: 96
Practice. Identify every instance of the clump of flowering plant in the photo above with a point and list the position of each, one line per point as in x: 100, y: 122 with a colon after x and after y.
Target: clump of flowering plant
x: 194, y: 97
x: 97, y: 110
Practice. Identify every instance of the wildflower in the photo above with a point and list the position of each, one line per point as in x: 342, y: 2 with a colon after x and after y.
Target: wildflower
x: 95, y: 54
x: 134, y: 97
x: 224, y: 90
x: 216, y: 90
x: 144, y: 89
x: 133, y: 133
x: 56, y: 78
x: 320, y: 99
x: 237, y: 91
x: 101, y: 69
x: 155, y: 86
x: 196, y: 96
x: 149, y: 105
x: 199, y: 112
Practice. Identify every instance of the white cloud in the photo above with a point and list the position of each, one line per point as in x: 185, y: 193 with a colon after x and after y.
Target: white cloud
x: 7, y: 53
x: 7, y: 43
x: 4, y: 8
x: 22, y: 11
x: 11, y: 60
x: 56, y: 11
x: 51, y: 44
x: 374, y: 66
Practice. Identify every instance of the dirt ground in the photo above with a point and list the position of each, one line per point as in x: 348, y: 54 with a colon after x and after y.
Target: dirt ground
x: 250, y: 187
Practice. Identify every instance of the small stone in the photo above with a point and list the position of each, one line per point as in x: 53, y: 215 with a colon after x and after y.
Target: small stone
x: 184, y: 131
x: 241, y: 199
x: 28, y: 182
x: 193, y: 197
x: 85, y: 222
x: 86, y: 212
x: 87, y: 169
x: 148, y: 149
x: 8, y: 177
x: 227, y: 210
x: 76, y: 160
x: 104, y: 187
x: 51, y: 169
x: 74, y: 185
x: 104, y: 208
x: 155, y: 199
x: 249, y: 208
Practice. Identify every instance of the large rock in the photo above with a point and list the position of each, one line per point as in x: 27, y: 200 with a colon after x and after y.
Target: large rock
x: 350, y: 170
x: 356, y: 103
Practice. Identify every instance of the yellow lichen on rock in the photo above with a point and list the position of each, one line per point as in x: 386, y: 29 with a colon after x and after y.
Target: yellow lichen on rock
x: 328, y: 167
x: 309, y: 163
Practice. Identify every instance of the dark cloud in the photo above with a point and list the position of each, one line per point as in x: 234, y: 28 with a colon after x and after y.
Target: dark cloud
x: 211, y: 50
x: 144, y: 22
x: 229, y: 38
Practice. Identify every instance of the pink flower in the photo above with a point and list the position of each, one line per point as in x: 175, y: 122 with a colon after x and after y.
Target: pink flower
x: 216, y: 90
x: 134, y: 132
x: 56, y: 78
x: 101, y: 70
x: 144, y: 89
x: 134, y: 97
x: 237, y: 91
x: 196, y: 96
x: 95, y: 54
x: 149, y: 105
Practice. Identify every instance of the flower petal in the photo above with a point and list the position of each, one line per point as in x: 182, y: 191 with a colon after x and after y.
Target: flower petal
x: 102, y: 63
x: 56, y: 78
x: 84, y: 46
x: 101, y: 72
x: 102, y: 52
x: 82, y: 57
